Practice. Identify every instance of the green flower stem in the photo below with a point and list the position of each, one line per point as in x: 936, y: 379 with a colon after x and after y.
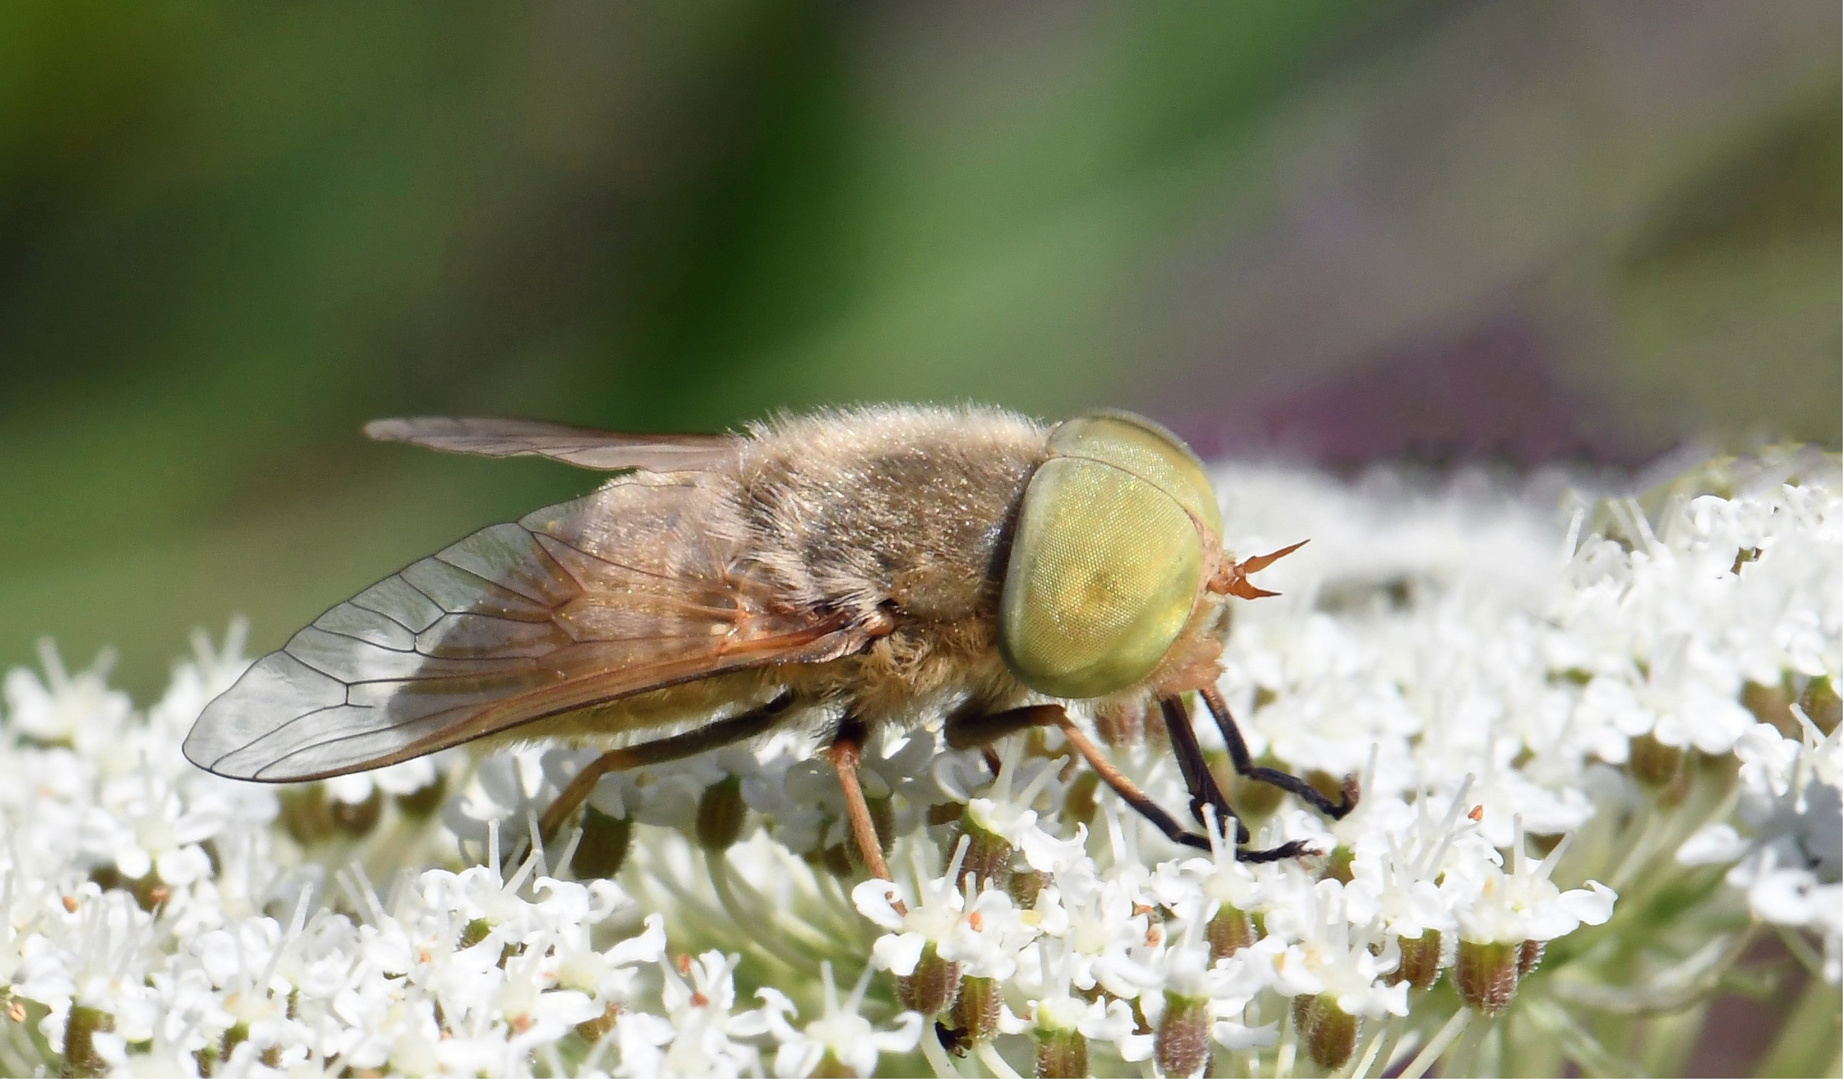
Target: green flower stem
x: 1385, y: 1036
x: 938, y: 1060
x: 1438, y: 1045
x: 994, y: 1061
x: 749, y: 909
x: 1808, y: 1043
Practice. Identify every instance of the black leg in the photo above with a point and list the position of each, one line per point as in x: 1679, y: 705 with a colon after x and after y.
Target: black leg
x: 1239, y: 753
x: 979, y: 730
x: 1292, y: 849
x: 1202, y: 785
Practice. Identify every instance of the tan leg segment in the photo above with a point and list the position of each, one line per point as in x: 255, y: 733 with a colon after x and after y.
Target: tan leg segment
x: 846, y: 752
x: 576, y: 792
x: 684, y: 745
x: 1125, y: 787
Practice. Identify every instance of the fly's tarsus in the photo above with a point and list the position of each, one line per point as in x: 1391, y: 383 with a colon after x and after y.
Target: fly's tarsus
x: 1239, y: 754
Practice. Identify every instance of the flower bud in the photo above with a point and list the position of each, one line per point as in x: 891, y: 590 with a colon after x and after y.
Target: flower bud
x: 1024, y: 886
x: 148, y: 890
x: 976, y: 1008
x: 234, y: 1036
x: 1771, y: 705
x: 1529, y: 955
x: 1653, y: 763
x: 603, y: 847
x: 1338, y: 864
x: 846, y: 859
x: 1182, y: 1044
x: 1079, y: 802
x: 424, y: 800
x: 80, y: 1056
x: 932, y: 987
x: 840, y: 860
x: 1229, y: 930
x: 474, y: 933
x: 1330, y: 1033
x: 1304, y: 1006
x: 721, y: 813
x: 988, y: 854
x: 596, y: 1027
x: 1822, y: 705
x: 305, y: 814
x: 883, y: 820
x: 1421, y: 960
x: 357, y: 819
x: 1487, y: 974
x: 1061, y: 1053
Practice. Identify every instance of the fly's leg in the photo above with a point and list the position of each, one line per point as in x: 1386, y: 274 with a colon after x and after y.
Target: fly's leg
x: 1204, y: 789
x: 980, y: 731
x: 1126, y: 788
x: 1239, y: 753
x: 720, y: 733
x: 1198, y: 779
x: 846, y: 752
x: 977, y: 731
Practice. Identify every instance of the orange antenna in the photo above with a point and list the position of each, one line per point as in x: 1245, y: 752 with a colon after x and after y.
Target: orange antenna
x: 1234, y: 579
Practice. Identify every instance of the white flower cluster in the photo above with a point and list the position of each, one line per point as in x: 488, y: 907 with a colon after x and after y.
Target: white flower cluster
x: 1542, y: 709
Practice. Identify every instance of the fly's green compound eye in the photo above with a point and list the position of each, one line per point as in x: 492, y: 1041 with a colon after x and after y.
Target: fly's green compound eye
x: 1104, y: 569
x: 1147, y: 450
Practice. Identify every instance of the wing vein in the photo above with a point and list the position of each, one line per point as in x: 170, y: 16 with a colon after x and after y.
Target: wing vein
x: 376, y: 611
x: 603, y: 559
x: 363, y: 641
x: 346, y: 704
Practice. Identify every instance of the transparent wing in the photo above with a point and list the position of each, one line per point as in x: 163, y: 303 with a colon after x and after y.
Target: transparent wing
x: 605, y: 450
x: 577, y: 604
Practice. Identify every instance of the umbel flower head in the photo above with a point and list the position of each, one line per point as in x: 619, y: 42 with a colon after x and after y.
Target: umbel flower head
x: 1599, y: 756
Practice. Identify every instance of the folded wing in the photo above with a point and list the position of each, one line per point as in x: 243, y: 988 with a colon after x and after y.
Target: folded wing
x: 605, y: 450
x: 607, y: 596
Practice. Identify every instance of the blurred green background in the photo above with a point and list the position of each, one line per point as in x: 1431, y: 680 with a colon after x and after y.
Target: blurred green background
x: 231, y: 233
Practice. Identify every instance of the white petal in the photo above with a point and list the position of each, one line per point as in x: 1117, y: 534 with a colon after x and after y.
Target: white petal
x: 872, y: 899
x: 1234, y: 1036
x: 1712, y: 844
x: 897, y: 953
x: 798, y: 1058
x: 1593, y: 905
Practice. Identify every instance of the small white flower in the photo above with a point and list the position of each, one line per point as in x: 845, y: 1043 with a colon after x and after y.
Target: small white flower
x: 1408, y: 887
x: 839, y: 1030
x: 1102, y: 1019
x: 979, y: 936
x: 1012, y: 816
x: 403, y: 778
x: 705, y: 1033
x: 75, y: 710
x: 1525, y: 905
x: 1331, y: 956
x: 1220, y: 880
x: 1105, y: 929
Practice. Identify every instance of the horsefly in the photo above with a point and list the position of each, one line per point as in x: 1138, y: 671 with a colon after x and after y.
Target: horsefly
x: 842, y: 571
